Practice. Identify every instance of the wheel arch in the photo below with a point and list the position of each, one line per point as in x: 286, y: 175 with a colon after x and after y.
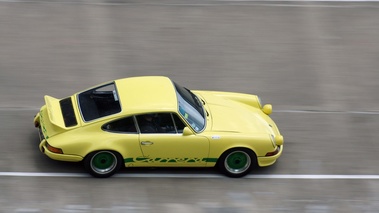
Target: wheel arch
x: 231, y: 149
x: 105, y: 149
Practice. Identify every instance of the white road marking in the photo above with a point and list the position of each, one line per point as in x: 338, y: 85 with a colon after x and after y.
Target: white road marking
x: 41, y: 174
x: 213, y: 176
x: 373, y: 112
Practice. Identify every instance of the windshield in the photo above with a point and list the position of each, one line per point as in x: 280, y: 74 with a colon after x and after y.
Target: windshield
x: 191, y: 108
x: 99, y: 102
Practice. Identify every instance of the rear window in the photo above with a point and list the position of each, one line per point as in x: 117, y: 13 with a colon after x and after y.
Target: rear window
x: 68, y: 112
x: 99, y: 102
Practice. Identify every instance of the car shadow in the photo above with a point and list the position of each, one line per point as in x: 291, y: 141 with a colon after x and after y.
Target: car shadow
x: 211, y: 171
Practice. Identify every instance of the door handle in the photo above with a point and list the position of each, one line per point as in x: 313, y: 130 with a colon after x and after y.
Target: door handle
x: 147, y: 143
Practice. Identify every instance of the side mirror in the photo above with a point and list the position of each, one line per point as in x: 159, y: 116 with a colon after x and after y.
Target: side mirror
x: 267, y: 109
x: 187, y: 131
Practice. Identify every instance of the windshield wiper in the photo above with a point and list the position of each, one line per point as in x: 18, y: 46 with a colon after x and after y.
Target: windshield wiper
x: 202, y: 101
x: 198, y: 102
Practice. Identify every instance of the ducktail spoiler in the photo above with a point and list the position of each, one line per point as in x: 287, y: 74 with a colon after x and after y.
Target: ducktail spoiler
x: 60, y: 112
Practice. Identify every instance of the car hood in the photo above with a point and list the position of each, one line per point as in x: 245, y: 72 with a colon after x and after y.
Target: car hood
x: 236, y: 119
x: 231, y: 116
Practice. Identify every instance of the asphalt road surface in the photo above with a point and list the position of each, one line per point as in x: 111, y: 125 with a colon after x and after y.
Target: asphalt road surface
x: 317, y: 63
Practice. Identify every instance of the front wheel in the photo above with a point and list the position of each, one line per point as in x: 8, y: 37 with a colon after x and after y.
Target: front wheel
x: 237, y: 162
x: 103, y: 164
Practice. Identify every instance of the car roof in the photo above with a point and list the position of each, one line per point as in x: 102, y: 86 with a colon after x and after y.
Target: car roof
x: 146, y: 94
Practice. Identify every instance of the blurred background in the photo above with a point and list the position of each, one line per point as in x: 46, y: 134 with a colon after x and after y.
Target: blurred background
x: 316, y: 62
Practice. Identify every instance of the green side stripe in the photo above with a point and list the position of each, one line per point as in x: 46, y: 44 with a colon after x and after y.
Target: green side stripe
x: 170, y: 160
x: 128, y: 160
x: 210, y: 160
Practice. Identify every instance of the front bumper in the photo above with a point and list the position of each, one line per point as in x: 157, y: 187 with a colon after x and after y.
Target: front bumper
x: 267, y: 161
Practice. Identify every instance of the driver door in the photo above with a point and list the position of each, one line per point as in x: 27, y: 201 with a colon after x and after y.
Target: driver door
x: 168, y: 146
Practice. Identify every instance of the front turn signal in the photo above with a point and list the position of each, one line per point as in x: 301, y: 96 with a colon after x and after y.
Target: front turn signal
x: 269, y: 154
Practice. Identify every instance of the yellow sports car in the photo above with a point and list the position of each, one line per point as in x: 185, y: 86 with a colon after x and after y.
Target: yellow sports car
x: 152, y: 121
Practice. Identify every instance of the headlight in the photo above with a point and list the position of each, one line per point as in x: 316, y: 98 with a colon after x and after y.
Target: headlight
x: 279, y: 140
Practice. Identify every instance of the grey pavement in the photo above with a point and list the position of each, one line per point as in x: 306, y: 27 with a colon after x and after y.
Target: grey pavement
x: 317, y: 63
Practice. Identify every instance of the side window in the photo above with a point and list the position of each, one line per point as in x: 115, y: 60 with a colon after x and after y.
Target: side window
x: 160, y: 123
x: 124, y: 125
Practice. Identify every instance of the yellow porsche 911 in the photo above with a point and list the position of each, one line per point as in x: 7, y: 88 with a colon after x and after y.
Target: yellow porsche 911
x: 153, y: 122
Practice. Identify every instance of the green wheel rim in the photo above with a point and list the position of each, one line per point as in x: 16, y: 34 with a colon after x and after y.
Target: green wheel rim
x: 103, y: 162
x: 237, y: 162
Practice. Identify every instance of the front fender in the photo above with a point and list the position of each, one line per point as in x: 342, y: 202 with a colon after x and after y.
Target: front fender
x: 219, y: 143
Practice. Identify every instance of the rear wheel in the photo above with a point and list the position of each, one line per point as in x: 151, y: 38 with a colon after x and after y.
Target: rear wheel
x: 103, y: 164
x: 237, y: 162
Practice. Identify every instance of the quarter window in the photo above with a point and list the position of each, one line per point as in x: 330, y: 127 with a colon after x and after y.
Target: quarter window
x: 125, y: 125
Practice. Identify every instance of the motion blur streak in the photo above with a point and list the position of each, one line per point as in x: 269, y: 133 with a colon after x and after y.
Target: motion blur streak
x: 315, y: 62
x: 34, y: 109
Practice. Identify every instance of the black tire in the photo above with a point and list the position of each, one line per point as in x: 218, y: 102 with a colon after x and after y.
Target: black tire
x: 237, y: 162
x: 103, y: 164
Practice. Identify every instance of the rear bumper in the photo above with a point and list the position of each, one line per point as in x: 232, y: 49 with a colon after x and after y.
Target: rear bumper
x: 60, y: 157
x: 43, y: 147
x: 267, y: 161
